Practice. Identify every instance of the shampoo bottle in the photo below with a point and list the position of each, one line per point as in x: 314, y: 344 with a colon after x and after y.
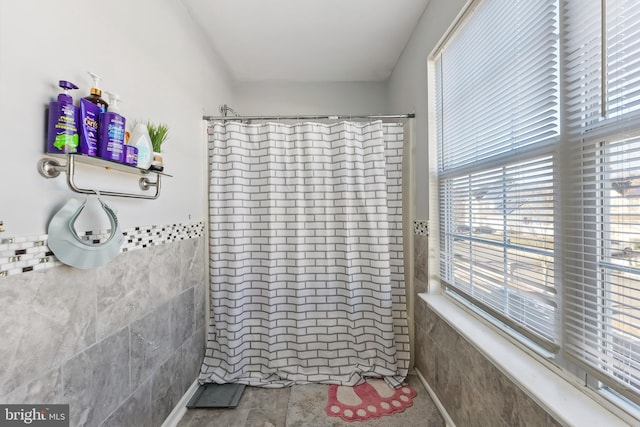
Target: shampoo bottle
x: 111, y: 132
x: 90, y: 109
x: 141, y: 140
x: 95, y: 95
x: 62, y: 130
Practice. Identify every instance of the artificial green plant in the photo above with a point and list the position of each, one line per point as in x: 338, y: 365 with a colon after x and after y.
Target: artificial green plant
x: 158, y: 134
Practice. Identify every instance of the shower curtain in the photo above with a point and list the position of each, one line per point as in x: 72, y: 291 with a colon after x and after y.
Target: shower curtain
x: 307, y: 279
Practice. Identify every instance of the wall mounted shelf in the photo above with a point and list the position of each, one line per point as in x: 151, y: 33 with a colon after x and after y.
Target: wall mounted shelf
x: 52, y: 167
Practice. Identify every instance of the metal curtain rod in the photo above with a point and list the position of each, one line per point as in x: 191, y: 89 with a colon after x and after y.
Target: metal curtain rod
x: 314, y: 117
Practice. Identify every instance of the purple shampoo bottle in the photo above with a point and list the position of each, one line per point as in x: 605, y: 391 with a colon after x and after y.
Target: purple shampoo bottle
x: 111, y: 132
x: 62, y: 129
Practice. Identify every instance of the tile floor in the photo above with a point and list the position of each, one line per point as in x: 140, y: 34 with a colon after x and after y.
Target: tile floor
x: 303, y: 406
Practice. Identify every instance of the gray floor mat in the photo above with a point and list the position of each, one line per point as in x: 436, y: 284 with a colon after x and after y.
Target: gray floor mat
x: 216, y: 396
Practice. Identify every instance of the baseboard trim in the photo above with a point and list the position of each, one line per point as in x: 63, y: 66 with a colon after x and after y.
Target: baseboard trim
x: 181, y: 407
x: 447, y: 418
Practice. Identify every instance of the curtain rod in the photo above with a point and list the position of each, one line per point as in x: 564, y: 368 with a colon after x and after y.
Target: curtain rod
x: 314, y: 117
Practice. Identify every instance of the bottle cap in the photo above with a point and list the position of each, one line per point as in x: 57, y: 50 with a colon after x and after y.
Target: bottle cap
x: 66, y: 86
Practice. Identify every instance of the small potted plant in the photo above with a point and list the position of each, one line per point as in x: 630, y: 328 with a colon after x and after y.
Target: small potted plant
x: 158, y: 134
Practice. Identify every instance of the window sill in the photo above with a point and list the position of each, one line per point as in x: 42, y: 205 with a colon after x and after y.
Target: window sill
x: 560, y: 398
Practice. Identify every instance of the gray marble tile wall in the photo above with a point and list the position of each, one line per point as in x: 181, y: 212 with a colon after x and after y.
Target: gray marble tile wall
x: 473, y: 391
x: 120, y: 343
x: 420, y: 272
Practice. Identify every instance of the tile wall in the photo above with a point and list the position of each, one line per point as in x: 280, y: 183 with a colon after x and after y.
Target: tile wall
x: 473, y: 391
x: 120, y: 343
x: 123, y: 342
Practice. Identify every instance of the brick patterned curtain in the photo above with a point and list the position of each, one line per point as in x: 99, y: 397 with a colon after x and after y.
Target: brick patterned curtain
x: 307, y: 279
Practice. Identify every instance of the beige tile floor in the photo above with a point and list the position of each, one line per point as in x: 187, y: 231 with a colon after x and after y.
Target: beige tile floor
x: 303, y: 406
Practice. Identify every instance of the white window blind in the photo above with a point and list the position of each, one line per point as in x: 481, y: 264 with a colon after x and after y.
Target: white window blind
x: 497, y: 114
x: 498, y: 83
x: 602, y: 283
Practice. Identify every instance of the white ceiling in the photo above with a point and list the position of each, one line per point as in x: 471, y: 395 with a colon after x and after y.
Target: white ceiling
x: 308, y: 40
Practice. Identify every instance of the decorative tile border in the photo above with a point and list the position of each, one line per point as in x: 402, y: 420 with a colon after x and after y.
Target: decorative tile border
x: 421, y: 227
x: 23, y: 254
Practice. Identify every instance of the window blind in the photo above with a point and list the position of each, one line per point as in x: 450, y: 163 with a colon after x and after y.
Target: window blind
x: 501, y: 239
x: 497, y: 116
x: 498, y: 83
x: 602, y: 280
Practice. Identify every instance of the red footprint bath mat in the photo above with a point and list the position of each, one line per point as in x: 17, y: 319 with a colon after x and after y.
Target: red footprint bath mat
x: 371, y: 399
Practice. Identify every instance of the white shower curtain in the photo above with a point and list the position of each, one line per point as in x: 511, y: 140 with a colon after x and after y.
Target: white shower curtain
x: 307, y: 279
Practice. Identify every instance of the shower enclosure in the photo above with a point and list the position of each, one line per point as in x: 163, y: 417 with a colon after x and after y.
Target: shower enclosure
x: 306, y: 253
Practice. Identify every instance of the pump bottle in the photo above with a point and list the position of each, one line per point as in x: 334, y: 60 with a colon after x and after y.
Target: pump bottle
x: 62, y: 130
x: 90, y: 108
x: 95, y: 95
x: 111, y: 132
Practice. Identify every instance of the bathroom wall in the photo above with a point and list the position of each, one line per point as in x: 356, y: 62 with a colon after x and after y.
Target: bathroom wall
x: 407, y: 85
x: 472, y: 390
x: 120, y: 343
x: 296, y: 98
x: 147, y: 51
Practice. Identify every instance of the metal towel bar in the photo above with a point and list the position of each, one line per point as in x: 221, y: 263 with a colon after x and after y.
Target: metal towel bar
x: 51, y: 168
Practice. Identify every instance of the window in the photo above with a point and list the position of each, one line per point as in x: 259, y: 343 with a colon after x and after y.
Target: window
x: 497, y: 107
x: 538, y: 129
x: 602, y: 284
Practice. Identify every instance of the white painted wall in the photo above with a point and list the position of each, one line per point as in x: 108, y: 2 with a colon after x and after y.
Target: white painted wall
x: 149, y: 52
x: 291, y: 98
x: 408, y: 85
